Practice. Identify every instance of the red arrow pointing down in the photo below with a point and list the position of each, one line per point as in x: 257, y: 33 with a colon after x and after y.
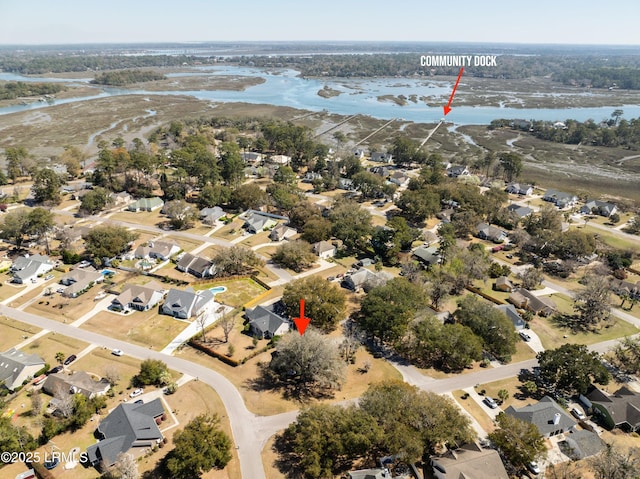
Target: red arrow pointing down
x: 447, y: 108
x: 301, y: 322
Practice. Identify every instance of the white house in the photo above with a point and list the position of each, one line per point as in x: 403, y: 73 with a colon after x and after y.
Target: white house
x: 324, y: 249
x: 28, y: 268
x: 17, y: 366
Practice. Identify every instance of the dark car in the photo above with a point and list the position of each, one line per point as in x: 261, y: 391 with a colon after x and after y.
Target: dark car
x: 57, y: 369
x: 51, y: 464
x: 70, y: 359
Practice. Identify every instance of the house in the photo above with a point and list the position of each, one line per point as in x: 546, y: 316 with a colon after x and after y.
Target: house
x: 560, y: 199
x: 620, y: 409
x: 120, y: 199
x: 188, y: 304
x: 457, y: 171
x: 146, y: 204
x: 365, y: 279
x: 196, y: 265
x: 27, y: 268
x: 127, y: 426
x: 210, y: 216
x: 546, y: 414
x: 79, y: 382
x: 510, y: 312
x: 358, y: 153
x: 382, y: 157
x: 503, y: 284
x: 79, y: 280
x: 489, y: 232
x: 139, y: 298
x: 17, y: 366
x: 252, y: 157
x: 469, y: 462
x: 427, y: 255
x: 346, y: 184
x: 518, y: 211
x: 282, y: 232
x: 280, y: 159
x: 163, y: 250
x: 256, y: 222
x: 264, y: 323
x: 597, y: 207
x: 311, y: 176
x: 519, y: 189
x: 524, y: 299
x: 370, y: 474
x: 324, y: 249
x: 399, y: 178
x: 382, y: 171
x: 583, y: 444
x: 626, y: 288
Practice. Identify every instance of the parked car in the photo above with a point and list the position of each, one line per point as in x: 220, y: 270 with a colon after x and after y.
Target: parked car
x: 139, y: 401
x: 533, y: 467
x: 48, y: 277
x: 57, y: 369
x: 490, y: 402
x: 578, y: 414
x: 117, y: 352
x: 136, y: 392
x: 51, y: 464
x: 525, y: 337
x: 84, y: 264
x: 70, y: 359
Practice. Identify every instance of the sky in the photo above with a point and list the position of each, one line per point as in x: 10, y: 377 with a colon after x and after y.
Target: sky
x: 130, y: 21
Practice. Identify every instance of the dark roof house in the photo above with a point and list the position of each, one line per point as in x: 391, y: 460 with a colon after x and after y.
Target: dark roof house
x: 510, y: 312
x: 127, y: 426
x: 597, y: 207
x: 188, y: 303
x: 196, y: 265
x: 584, y: 443
x: 621, y: 409
x: 264, y: 323
x: 427, y: 255
x: 490, y: 232
x: 519, y: 211
x: 519, y: 189
x: 546, y: 414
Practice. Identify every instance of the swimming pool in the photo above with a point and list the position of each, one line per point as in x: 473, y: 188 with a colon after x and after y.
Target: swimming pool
x: 218, y: 289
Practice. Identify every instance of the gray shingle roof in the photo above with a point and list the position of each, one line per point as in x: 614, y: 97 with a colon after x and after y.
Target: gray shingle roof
x: 542, y: 414
x: 264, y: 321
x: 13, y: 361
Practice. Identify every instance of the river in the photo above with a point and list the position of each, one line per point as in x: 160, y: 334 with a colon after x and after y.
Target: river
x: 358, y: 96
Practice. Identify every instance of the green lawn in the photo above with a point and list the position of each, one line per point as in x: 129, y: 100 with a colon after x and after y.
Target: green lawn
x: 239, y: 291
x: 610, y: 238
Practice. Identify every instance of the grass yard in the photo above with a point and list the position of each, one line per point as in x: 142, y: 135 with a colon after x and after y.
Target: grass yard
x: 268, y: 402
x: 231, y: 231
x: 475, y: 410
x: 13, y: 332
x: 553, y: 336
x: 523, y: 352
x: 48, y: 345
x: 512, y: 385
x: 238, y: 293
x: 211, y: 251
x: 256, y: 239
x: 147, y: 218
x: 612, y: 239
x: 146, y: 328
x: 184, y: 243
x: 64, y: 309
x: 8, y: 289
x: 269, y: 458
x: 99, y: 360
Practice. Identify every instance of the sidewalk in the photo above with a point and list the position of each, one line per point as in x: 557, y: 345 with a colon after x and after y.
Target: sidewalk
x: 194, y: 328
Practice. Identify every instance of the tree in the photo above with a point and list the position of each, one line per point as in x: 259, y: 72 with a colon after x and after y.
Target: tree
x: 248, y: 196
x: 227, y: 322
x: 112, y: 374
x: 95, y: 201
x: 316, y: 229
x: 406, y: 151
x: 40, y: 222
x: 593, y: 303
x: 503, y: 395
x: 449, y: 347
x: 15, y: 438
x: 386, y: 311
x: 232, y: 163
x: 414, y: 422
x: 612, y: 463
x: 152, y: 371
x: 126, y: 467
x: 46, y: 186
x: 308, y: 364
x: 531, y: 278
x: 71, y: 158
x: 495, y: 329
x: 626, y: 355
x: 199, y: 447
x: 104, y: 241
x: 60, y: 357
x: 36, y: 403
x: 16, y: 158
x: 418, y: 205
x: 368, y: 184
x: 295, y: 255
x: 511, y: 164
x: 14, y: 226
x: 572, y: 368
x: 236, y: 260
x: 519, y: 441
x: 351, y: 224
x: 325, y: 302
x: 182, y: 215
x: 213, y: 195
x: 326, y: 440
x: 285, y: 176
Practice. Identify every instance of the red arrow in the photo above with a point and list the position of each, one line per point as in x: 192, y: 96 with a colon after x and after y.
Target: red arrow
x: 301, y: 322
x: 447, y: 108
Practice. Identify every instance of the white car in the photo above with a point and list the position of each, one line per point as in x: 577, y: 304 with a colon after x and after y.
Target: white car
x: 578, y: 414
x: 136, y: 393
x: 525, y: 337
x: 117, y: 352
x: 490, y: 402
x: 533, y: 467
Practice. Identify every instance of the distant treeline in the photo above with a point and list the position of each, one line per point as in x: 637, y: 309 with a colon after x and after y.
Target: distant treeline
x: 612, y: 133
x: 33, y: 65
x: 622, y: 71
x: 12, y: 90
x: 126, y: 77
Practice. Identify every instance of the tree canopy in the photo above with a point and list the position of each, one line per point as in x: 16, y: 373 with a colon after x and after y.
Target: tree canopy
x: 519, y: 441
x: 106, y: 241
x: 325, y: 303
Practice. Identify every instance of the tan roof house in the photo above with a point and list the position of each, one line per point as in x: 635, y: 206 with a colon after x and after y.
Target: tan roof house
x: 139, y: 298
x: 79, y: 382
x: 524, y: 299
x: 324, y: 249
x: 79, y: 280
x: 469, y: 462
